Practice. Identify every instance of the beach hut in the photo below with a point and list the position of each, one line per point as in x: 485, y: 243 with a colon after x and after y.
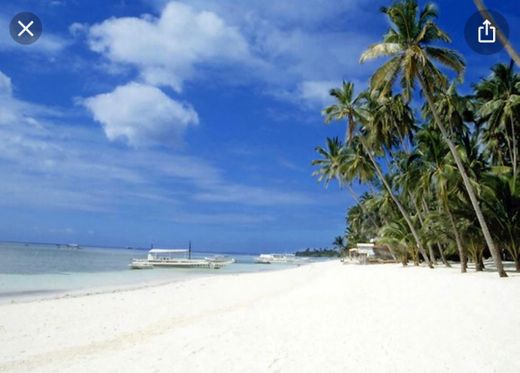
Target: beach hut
x: 365, y: 253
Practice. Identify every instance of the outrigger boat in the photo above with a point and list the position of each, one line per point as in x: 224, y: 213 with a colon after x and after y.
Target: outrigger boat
x: 178, y: 258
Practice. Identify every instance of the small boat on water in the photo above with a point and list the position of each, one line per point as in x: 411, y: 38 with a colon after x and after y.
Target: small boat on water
x: 220, y: 259
x: 140, y: 264
x: 179, y: 258
x: 276, y: 259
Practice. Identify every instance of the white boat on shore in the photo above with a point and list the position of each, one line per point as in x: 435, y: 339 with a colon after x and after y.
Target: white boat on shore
x: 179, y: 258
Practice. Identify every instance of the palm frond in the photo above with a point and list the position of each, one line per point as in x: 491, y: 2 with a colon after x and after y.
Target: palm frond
x: 379, y: 50
x: 447, y: 57
x: 385, y: 75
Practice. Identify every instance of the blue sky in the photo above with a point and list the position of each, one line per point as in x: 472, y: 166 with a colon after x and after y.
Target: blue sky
x: 131, y: 122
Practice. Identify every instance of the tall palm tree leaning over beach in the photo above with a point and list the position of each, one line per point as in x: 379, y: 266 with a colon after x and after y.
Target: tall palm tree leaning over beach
x: 352, y: 109
x: 408, y: 44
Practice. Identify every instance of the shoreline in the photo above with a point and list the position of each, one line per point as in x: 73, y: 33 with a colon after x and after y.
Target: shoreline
x: 44, y: 295
x: 342, y: 317
x: 40, y: 296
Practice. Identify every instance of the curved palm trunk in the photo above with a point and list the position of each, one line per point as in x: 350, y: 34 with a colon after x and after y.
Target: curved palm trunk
x: 480, y: 267
x: 515, y: 149
x: 469, y: 189
x: 392, y: 252
x: 477, y: 251
x: 415, y: 256
x: 443, y: 257
x: 462, y: 253
x: 398, y: 204
x: 479, y: 264
x: 425, y: 207
x: 515, y: 253
x: 432, y: 255
x: 430, y: 246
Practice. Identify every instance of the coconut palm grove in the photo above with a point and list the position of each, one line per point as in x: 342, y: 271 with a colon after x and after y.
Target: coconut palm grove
x: 441, y: 168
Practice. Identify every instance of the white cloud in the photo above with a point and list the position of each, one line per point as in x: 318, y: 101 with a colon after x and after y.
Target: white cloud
x: 313, y: 95
x: 77, y: 29
x: 256, y: 196
x: 53, y: 163
x: 297, y: 55
x: 141, y: 115
x: 235, y: 219
x: 283, y: 13
x: 5, y: 85
x: 13, y: 111
x: 167, y: 49
x: 316, y: 92
x: 281, y: 45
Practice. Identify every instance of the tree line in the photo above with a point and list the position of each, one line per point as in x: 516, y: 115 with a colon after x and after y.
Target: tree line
x: 441, y: 168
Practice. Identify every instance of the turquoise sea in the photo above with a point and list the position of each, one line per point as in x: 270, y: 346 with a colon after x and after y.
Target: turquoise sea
x: 29, y: 270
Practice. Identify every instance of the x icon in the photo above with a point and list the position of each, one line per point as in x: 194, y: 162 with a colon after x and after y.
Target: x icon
x: 25, y: 28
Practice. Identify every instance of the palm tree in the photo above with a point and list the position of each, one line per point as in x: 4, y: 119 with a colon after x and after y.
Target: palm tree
x: 362, y: 221
x: 437, y: 230
x: 339, y: 242
x: 392, y: 118
x: 408, y: 44
x: 343, y: 165
x: 355, y: 164
x: 473, y: 239
x: 439, y: 176
x: 454, y: 109
x: 499, y: 99
x: 355, y: 220
x: 397, y: 237
x: 351, y: 108
x: 331, y: 161
x: 502, y: 192
x: 406, y: 175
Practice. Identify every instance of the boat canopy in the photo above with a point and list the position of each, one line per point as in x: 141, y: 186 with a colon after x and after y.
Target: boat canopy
x: 168, y: 251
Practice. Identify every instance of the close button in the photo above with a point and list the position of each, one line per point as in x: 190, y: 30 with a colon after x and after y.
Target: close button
x: 25, y: 28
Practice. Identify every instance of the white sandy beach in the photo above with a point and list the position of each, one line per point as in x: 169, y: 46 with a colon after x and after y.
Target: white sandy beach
x: 323, y: 317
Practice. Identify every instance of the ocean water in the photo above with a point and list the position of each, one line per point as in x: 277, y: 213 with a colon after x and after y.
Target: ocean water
x: 43, y: 270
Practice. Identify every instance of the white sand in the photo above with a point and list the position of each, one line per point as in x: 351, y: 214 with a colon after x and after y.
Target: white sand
x: 323, y: 317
